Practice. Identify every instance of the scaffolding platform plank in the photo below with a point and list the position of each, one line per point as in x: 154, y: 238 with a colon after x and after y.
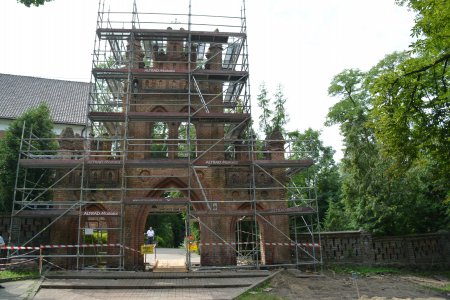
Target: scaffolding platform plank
x: 160, y: 163
x: 288, y: 163
x: 211, y: 117
x: 46, y: 213
x: 157, y: 201
x: 297, y: 210
x: 265, y: 164
x: 174, y: 35
x: 57, y: 163
x: 225, y: 75
x: 56, y: 212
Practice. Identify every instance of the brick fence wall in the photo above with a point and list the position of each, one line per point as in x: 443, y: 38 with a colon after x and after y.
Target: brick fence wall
x: 343, y: 247
x: 359, y: 247
x: 29, y: 227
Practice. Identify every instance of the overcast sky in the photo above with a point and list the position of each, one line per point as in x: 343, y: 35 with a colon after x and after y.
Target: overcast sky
x: 300, y: 44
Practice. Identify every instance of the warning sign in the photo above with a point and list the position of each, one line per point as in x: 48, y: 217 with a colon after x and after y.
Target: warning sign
x: 147, y: 249
x: 193, y: 247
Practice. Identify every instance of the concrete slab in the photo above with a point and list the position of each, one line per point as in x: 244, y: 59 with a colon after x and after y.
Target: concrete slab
x: 198, y: 285
x: 167, y: 258
x: 20, y: 289
x: 146, y: 285
x: 150, y: 275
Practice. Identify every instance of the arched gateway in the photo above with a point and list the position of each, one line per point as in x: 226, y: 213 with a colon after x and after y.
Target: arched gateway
x: 170, y: 108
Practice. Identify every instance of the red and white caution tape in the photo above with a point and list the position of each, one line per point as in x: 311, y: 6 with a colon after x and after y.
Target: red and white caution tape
x: 58, y: 246
x: 20, y: 247
x: 131, y: 249
x: 267, y: 244
x: 17, y: 262
x: 317, y: 245
x: 78, y: 246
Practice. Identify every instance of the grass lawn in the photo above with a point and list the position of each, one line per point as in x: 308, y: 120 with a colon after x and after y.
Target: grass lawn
x: 7, y: 275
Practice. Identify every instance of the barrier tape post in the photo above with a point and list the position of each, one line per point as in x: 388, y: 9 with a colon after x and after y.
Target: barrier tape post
x: 40, y: 260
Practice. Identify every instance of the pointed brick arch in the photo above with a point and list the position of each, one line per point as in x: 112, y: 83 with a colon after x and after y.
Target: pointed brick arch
x: 140, y: 218
x: 262, y: 226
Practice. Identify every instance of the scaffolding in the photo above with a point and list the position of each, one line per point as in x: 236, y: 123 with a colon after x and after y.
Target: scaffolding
x: 169, y: 131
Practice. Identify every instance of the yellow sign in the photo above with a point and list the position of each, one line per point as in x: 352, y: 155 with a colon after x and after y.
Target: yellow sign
x: 193, y: 247
x: 147, y: 249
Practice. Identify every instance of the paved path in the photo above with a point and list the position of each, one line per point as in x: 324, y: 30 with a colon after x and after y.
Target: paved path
x: 166, y: 294
x: 22, y: 289
x: 168, y: 258
x: 143, y: 285
x: 196, y: 285
x: 148, y: 285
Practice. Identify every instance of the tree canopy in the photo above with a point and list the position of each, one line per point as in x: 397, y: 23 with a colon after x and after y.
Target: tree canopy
x: 28, y: 3
x: 395, y: 120
x: 273, y: 115
x: 322, y: 178
x: 36, y: 120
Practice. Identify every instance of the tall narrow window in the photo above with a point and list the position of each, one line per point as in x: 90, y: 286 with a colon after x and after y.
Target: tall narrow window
x: 187, y: 142
x: 159, y: 137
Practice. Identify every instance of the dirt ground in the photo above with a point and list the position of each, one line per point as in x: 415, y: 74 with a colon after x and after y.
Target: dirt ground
x: 341, y: 286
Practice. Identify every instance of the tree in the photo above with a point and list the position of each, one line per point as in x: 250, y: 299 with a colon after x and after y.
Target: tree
x: 396, y: 129
x: 323, y: 175
x: 432, y: 26
x: 273, y: 115
x: 266, y: 113
x: 28, y: 3
x: 360, y: 155
x: 375, y: 196
x: 280, y: 116
x: 38, y: 122
x: 412, y: 100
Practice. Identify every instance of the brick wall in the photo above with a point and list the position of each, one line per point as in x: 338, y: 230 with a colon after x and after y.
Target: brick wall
x: 346, y: 247
x: 359, y: 247
x: 28, y: 228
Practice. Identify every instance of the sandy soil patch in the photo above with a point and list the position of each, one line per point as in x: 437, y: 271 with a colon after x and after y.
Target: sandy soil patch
x: 341, y: 286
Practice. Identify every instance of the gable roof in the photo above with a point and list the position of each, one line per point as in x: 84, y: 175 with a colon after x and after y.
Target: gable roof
x: 67, y: 100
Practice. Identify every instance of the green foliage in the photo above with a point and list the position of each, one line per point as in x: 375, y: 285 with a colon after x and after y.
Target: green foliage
x: 258, y: 293
x: 442, y: 289
x: 412, y: 100
x: 98, y: 237
x: 364, y: 270
x: 184, y: 149
x: 412, y: 112
x: 274, y: 116
x: 432, y: 23
x: 411, y: 119
x: 392, y: 184
x: 159, y: 135
x: 169, y: 228
x: 38, y: 122
x: 264, y: 104
x: 323, y: 174
x: 335, y: 217
x: 195, y: 230
x: 280, y: 117
x: 18, y: 275
x: 28, y: 3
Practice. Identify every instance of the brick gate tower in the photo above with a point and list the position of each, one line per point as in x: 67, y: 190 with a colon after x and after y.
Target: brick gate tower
x: 169, y: 131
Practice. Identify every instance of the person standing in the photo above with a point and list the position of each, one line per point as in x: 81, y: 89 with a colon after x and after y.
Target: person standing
x: 150, y: 235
